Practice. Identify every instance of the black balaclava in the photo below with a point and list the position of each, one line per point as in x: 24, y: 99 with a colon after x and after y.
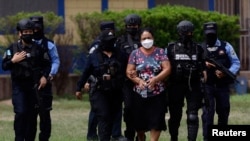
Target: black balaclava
x: 185, y: 30
x: 132, y: 20
x: 38, y: 34
x: 211, y: 39
x: 210, y: 30
x: 132, y: 30
x: 186, y: 38
x: 108, y: 45
x: 38, y: 21
x: 108, y: 40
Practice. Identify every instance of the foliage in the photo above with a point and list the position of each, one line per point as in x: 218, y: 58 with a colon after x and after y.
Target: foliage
x: 8, y: 25
x: 65, y: 51
x: 163, y: 19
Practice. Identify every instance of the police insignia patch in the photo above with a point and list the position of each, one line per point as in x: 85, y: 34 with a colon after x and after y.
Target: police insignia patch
x: 221, y: 52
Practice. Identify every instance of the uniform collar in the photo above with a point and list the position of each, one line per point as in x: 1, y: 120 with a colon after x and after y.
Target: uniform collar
x: 217, y: 43
x: 39, y: 41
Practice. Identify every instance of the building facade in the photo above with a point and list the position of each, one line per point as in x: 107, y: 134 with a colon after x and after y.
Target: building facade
x: 69, y: 8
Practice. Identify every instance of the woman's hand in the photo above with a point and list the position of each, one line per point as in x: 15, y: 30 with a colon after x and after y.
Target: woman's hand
x: 142, y: 84
x: 151, y: 83
x: 132, y: 74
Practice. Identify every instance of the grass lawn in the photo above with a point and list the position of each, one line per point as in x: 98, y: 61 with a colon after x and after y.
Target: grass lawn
x: 70, y: 118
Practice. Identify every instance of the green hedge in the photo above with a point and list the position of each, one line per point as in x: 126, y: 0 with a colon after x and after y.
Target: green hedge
x: 163, y: 19
x: 8, y: 24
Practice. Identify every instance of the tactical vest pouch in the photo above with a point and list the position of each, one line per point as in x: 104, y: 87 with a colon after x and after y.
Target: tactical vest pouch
x: 112, y: 84
x: 179, y: 73
x: 106, y: 85
x: 93, y: 82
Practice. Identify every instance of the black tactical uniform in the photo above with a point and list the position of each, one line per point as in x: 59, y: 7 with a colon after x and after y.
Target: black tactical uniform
x: 218, y: 88
x: 46, y: 94
x: 187, y: 63
x: 127, y: 43
x: 92, y: 122
x: 106, y: 95
x: 25, y: 75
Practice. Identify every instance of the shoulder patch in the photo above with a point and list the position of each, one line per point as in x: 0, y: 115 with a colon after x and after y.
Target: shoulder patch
x: 4, y: 55
x: 171, y: 44
x: 92, y: 49
x: 198, y: 44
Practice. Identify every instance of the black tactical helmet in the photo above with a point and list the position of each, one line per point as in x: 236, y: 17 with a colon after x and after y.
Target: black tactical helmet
x: 184, y: 27
x: 38, y: 20
x: 132, y: 19
x: 25, y: 24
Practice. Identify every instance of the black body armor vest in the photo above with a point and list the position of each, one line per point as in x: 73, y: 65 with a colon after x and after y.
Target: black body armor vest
x: 27, y: 68
x: 111, y: 67
x: 185, y: 62
x: 127, y: 44
x: 218, y: 53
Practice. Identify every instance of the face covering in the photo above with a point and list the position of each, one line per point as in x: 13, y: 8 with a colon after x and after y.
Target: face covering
x: 132, y: 30
x: 108, y: 45
x: 186, y: 38
x: 38, y: 35
x: 27, y: 38
x: 211, y: 39
x: 148, y: 43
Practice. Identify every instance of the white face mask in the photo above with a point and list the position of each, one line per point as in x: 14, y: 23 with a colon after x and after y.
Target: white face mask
x: 148, y: 43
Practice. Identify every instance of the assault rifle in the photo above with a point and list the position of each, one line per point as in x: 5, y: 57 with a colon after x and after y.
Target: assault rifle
x: 222, y: 68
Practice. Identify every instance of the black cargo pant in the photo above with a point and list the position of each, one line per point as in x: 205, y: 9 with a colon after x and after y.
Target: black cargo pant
x: 127, y: 113
x: 24, y: 103
x: 219, y: 102
x: 177, y: 94
x: 45, y: 106
x: 106, y: 104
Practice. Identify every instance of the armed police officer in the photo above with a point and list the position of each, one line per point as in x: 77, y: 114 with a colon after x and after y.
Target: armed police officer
x: 92, y: 122
x: 188, y: 65
x: 46, y: 95
x: 127, y: 43
x: 29, y: 65
x: 105, y: 64
x: 218, y: 81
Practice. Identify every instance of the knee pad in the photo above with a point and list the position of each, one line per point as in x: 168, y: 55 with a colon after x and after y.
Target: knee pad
x: 192, y: 117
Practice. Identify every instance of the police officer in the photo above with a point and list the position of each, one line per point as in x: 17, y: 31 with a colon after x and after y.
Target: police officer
x: 218, y: 83
x: 188, y: 65
x: 127, y: 43
x: 105, y: 65
x: 46, y: 94
x: 92, y: 122
x: 29, y: 66
x: 105, y: 25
